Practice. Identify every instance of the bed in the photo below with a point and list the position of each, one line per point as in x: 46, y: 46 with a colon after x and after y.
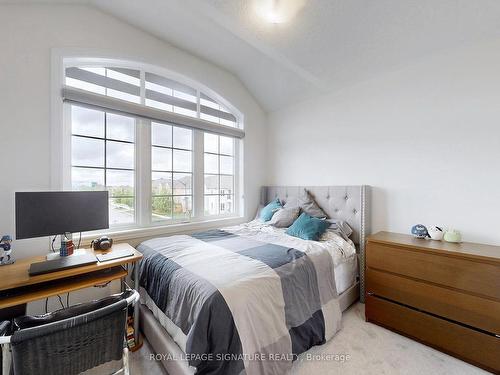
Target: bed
x: 284, y: 303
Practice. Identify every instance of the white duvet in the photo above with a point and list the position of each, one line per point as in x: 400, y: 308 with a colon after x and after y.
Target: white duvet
x: 342, y: 252
x: 340, y: 249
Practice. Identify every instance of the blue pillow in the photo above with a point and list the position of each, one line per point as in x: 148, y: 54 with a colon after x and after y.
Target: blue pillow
x: 308, y: 227
x: 267, y: 212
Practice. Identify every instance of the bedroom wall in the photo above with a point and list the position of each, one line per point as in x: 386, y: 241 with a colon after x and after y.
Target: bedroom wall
x: 426, y: 137
x: 28, y: 33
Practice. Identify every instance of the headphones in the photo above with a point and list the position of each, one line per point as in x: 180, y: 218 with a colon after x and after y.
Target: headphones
x: 102, y: 243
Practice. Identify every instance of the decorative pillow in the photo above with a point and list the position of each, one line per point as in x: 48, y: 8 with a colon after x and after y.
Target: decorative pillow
x: 259, y: 209
x: 291, y: 204
x: 309, y: 206
x: 267, y: 212
x: 340, y: 227
x: 308, y: 227
x: 284, y: 217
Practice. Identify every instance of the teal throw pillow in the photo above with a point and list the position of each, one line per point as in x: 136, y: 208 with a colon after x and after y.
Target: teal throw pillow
x: 267, y: 212
x: 308, y: 227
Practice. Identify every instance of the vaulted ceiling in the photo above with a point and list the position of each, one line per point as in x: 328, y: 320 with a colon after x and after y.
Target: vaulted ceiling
x: 326, y: 45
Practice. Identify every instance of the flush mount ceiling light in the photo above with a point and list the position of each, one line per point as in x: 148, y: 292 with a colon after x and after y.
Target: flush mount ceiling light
x: 278, y: 11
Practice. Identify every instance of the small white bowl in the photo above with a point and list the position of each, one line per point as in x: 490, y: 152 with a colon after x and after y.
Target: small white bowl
x: 435, y: 233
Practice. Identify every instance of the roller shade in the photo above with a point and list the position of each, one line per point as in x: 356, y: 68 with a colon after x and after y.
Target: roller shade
x: 159, y: 92
x: 82, y: 97
x: 167, y: 84
x: 210, y: 110
x: 103, y: 81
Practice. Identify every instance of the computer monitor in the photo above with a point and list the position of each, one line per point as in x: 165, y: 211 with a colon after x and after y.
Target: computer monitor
x: 50, y: 213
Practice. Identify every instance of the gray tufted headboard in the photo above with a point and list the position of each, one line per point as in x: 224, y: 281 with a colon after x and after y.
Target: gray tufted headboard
x: 348, y: 203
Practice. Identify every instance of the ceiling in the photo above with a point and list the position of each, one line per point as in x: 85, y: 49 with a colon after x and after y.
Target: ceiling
x: 328, y: 45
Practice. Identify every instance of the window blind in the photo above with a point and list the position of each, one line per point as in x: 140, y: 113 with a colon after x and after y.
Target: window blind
x: 154, y: 97
x: 78, y: 96
x: 211, y: 111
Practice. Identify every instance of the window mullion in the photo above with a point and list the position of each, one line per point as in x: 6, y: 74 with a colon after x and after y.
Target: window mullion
x: 198, y: 103
x: 105, y: 149
x: 238, y: 197
x: 172, y: 172
x: 198, y: 174
x: 142, y: 89
x: 143, y: 171
x: 67, y: 148
x: 218, y: 176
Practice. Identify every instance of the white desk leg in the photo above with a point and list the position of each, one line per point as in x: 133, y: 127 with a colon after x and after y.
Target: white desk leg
x: 136, y: 306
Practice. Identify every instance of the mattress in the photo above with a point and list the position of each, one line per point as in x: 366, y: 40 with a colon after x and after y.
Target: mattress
x: 346, y: 273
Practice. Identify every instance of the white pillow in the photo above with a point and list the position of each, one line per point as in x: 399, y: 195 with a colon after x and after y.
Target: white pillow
x: 309, y: 206
x: 284, y: 217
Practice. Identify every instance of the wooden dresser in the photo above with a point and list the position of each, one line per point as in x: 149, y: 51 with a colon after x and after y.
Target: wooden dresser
x: 444, y: 295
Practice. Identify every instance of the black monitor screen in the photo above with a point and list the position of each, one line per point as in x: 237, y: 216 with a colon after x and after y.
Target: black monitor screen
x: 49, y: 213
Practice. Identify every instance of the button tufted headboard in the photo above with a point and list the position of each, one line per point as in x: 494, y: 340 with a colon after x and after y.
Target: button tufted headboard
x: 348, y: 203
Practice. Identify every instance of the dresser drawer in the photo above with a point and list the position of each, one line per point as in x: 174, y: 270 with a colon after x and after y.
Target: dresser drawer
x: 477, y: 277
x: 478, y: 348
x: 465, y: 308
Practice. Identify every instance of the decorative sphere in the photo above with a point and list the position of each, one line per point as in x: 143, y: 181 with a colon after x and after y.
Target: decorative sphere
x: 419, y: 231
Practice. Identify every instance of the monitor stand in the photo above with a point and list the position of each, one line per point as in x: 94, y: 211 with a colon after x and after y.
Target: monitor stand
x: 56, y: 254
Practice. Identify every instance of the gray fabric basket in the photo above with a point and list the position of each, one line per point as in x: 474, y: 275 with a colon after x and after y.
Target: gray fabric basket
x: 72, y: 345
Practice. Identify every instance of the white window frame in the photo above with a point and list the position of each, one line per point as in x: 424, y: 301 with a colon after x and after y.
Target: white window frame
x: 61, y: 152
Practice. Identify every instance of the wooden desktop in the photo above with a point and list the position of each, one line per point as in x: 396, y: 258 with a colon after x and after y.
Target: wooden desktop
x: 17, y: 287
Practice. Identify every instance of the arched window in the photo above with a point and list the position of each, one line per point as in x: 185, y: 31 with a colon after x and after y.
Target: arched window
x: 166, y: 151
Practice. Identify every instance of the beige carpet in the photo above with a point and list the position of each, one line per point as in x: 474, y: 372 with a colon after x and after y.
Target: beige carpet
x: 371, y: 350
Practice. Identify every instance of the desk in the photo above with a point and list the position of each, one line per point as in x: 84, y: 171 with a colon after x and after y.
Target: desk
x: 17, y: 287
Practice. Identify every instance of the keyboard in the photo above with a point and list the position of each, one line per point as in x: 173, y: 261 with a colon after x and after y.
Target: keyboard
x: 61, y: 263
x: 116, y: 254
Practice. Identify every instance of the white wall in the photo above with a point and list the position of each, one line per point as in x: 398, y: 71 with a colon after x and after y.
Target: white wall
x: 427, y: 138
x: 27, y: 34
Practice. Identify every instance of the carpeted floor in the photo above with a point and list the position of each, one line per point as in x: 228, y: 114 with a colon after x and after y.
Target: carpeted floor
x: 359, y: 348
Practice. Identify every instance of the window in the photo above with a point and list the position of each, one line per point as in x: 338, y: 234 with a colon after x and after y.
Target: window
x: 165, y: 151
x: 219, y: 174
x: 103, y: 157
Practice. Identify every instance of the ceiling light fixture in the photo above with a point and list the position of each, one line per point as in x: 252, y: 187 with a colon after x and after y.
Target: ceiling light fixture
x: 278, y: 11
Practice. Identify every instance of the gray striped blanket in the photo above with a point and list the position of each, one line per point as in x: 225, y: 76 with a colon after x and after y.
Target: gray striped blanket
x: 246, y: 306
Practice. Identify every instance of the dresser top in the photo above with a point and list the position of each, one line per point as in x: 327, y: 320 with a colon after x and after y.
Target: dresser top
x: 463, y: 249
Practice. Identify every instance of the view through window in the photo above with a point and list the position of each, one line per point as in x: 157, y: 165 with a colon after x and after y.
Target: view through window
x: 219, y: 174
x: 103, y: 157
x: 171, y: 159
